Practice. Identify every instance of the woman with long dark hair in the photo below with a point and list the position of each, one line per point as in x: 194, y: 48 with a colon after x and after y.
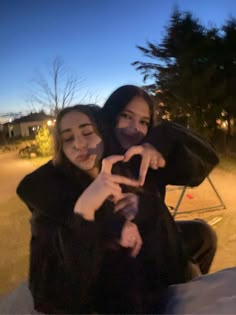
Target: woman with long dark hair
x: 173, y: 154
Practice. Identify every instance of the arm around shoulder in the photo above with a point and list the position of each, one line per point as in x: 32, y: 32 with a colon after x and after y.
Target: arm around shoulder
x: 190, y: 158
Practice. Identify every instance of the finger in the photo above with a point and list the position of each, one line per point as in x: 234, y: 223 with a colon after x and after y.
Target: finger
x: 117, y: 197
x: 130, y: 217
x: 125, y: 199
x: 109, y: 184
x: 113, y: 192
x: 121, y: 204
x: 135, y: 150
x: 127, y: 195
x: 124, y: 180
x: 136, y: 248
x: 127, y: 241
x: 125, y: 210
x: 157, y: 162
x: 154, y: 166
x: 129, y: 212
x: 143, y: 169
x: 162, y: 162
x: 109, y: 161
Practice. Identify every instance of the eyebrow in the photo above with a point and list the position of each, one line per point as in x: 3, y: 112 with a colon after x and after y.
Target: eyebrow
x: 80, y: 127
x: 130, y: 111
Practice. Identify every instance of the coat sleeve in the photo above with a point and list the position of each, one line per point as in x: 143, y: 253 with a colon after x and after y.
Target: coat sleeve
x: 189, y: 157
x: 64, y: 247
x: 51, y: 194
x: 148, y: 208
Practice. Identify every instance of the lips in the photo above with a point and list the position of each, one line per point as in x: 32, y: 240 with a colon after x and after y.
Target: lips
x: 82, y: 157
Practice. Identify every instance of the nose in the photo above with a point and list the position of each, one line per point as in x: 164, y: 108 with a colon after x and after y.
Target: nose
x: 80, y: 143
x: 134, y: 125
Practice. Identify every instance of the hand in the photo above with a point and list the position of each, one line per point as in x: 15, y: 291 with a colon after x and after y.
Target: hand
x: 104, y: 186
x: 130, y: 238
x: 128, y: 205
x: 150, y: 158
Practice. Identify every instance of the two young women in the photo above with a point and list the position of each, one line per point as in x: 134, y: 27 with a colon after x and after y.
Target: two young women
x: 94, y: 247
x: 91, y: 252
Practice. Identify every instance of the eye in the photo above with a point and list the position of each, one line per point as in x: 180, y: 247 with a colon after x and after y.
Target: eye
x: 69, y: 139
x: 145, y: 123
x: 88, y: 131
x: 86, y: 134
x: 126, y: 115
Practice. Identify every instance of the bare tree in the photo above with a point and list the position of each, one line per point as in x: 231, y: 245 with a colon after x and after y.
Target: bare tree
x: 57, y: 90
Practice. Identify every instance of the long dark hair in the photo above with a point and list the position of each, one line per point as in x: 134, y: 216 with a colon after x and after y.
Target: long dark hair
x: 119, y: 99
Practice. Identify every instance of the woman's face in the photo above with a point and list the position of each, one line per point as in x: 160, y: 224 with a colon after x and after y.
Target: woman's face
x: 133, y: 122
x: 81, y: 143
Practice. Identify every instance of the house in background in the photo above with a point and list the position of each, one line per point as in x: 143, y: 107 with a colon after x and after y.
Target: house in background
x: 27, y: 126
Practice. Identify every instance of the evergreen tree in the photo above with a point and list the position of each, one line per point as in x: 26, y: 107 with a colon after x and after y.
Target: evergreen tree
x: 185, y: 69
x: 228, y: 72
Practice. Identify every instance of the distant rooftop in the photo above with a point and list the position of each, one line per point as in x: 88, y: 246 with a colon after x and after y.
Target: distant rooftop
x: 33, y: 117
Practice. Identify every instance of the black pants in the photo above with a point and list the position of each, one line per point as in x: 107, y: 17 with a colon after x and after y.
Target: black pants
x: 119, y: 289
x: 200, y: 242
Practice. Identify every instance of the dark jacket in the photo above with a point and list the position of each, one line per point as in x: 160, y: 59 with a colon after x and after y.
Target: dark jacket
x: 73, y: 261
x: 190, y: 158
x: 66, y: 251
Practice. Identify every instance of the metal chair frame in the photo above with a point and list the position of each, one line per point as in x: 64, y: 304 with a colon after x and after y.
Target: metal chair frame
x: 221, y: 205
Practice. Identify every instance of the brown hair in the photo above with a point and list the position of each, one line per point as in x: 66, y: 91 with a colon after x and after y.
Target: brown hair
x: 59, y: 158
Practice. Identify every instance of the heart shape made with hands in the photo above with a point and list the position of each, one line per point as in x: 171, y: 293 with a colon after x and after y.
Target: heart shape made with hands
x: 110, y: 161
x: 150, y: 158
